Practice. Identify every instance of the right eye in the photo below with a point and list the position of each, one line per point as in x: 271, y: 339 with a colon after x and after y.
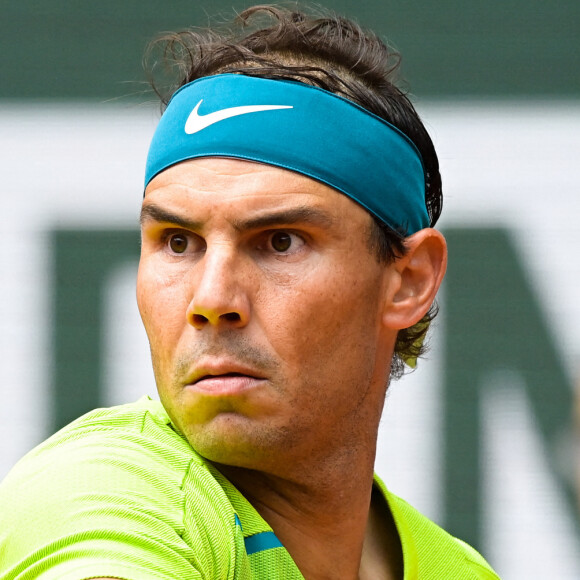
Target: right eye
x: 177, y: 243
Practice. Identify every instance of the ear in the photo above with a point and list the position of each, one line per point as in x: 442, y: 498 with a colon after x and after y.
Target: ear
x: 414, y: 279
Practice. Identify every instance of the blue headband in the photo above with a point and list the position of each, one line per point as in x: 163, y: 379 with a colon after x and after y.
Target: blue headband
x: 298, y: 127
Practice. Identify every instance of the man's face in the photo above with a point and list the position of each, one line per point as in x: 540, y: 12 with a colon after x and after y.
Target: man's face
x: 263, y: 304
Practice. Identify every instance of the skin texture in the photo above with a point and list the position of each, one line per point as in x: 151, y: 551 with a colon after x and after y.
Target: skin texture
x: 272, y: 327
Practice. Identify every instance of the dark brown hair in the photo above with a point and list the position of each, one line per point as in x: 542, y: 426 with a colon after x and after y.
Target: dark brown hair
x: 327, y: 51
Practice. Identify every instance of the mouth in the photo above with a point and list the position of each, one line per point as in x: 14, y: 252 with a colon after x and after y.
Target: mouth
x: 225, y: 383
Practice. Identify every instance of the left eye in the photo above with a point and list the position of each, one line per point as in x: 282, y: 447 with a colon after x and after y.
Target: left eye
x: 281, y: 241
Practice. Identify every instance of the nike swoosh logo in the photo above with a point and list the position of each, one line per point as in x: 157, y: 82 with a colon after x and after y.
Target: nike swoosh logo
x: 196, y: 122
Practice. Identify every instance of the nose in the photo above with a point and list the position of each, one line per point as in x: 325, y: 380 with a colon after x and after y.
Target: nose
x: 220, y: 296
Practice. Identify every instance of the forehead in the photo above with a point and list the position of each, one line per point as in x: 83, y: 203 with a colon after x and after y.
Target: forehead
x: 219, y: 184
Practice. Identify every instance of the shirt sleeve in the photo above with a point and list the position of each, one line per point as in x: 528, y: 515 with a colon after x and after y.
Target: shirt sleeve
x: 100, y: 506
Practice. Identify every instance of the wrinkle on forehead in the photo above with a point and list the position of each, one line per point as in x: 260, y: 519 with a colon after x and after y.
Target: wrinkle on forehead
x: 212, y: 172
x: 264, y: 190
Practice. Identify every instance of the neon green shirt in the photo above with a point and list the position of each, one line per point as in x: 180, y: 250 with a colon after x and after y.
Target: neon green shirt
x: 120, y: 493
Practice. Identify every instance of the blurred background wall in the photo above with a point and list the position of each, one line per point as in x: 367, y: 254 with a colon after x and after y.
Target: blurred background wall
x: 481, y: 436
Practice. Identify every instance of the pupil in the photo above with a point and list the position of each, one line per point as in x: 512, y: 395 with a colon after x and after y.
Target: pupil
x: 281, y: 241
x: 178, y: 244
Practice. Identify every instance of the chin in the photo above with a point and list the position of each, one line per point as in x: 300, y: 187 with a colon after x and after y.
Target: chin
x: 234, y: 440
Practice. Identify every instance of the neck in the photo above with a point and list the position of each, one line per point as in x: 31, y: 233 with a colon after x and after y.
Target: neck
x: 321, y: 516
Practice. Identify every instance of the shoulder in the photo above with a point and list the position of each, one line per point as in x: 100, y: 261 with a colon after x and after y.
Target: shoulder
x: 132, y: 441
x: 429, y: 551
x: 117, y: 485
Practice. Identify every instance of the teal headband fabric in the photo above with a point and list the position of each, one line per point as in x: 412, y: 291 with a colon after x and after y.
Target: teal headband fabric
x: 301, y: 128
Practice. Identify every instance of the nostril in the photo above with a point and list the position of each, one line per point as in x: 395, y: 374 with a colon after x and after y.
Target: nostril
x: 232, y: 317
x: 199, y: 319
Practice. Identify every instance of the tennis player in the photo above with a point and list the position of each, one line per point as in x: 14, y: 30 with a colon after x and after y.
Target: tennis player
x: 288, y: 272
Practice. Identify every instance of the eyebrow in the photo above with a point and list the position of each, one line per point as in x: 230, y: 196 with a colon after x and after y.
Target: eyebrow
x: 155, y: 213
x: 303, y: 215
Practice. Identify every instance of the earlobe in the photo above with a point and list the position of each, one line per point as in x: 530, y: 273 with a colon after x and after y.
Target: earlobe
x: 410, y: 292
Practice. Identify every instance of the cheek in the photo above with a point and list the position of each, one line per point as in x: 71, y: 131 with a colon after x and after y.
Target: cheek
x: 163, y: 305
x: 327, y: 343
x: 325, y: 318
